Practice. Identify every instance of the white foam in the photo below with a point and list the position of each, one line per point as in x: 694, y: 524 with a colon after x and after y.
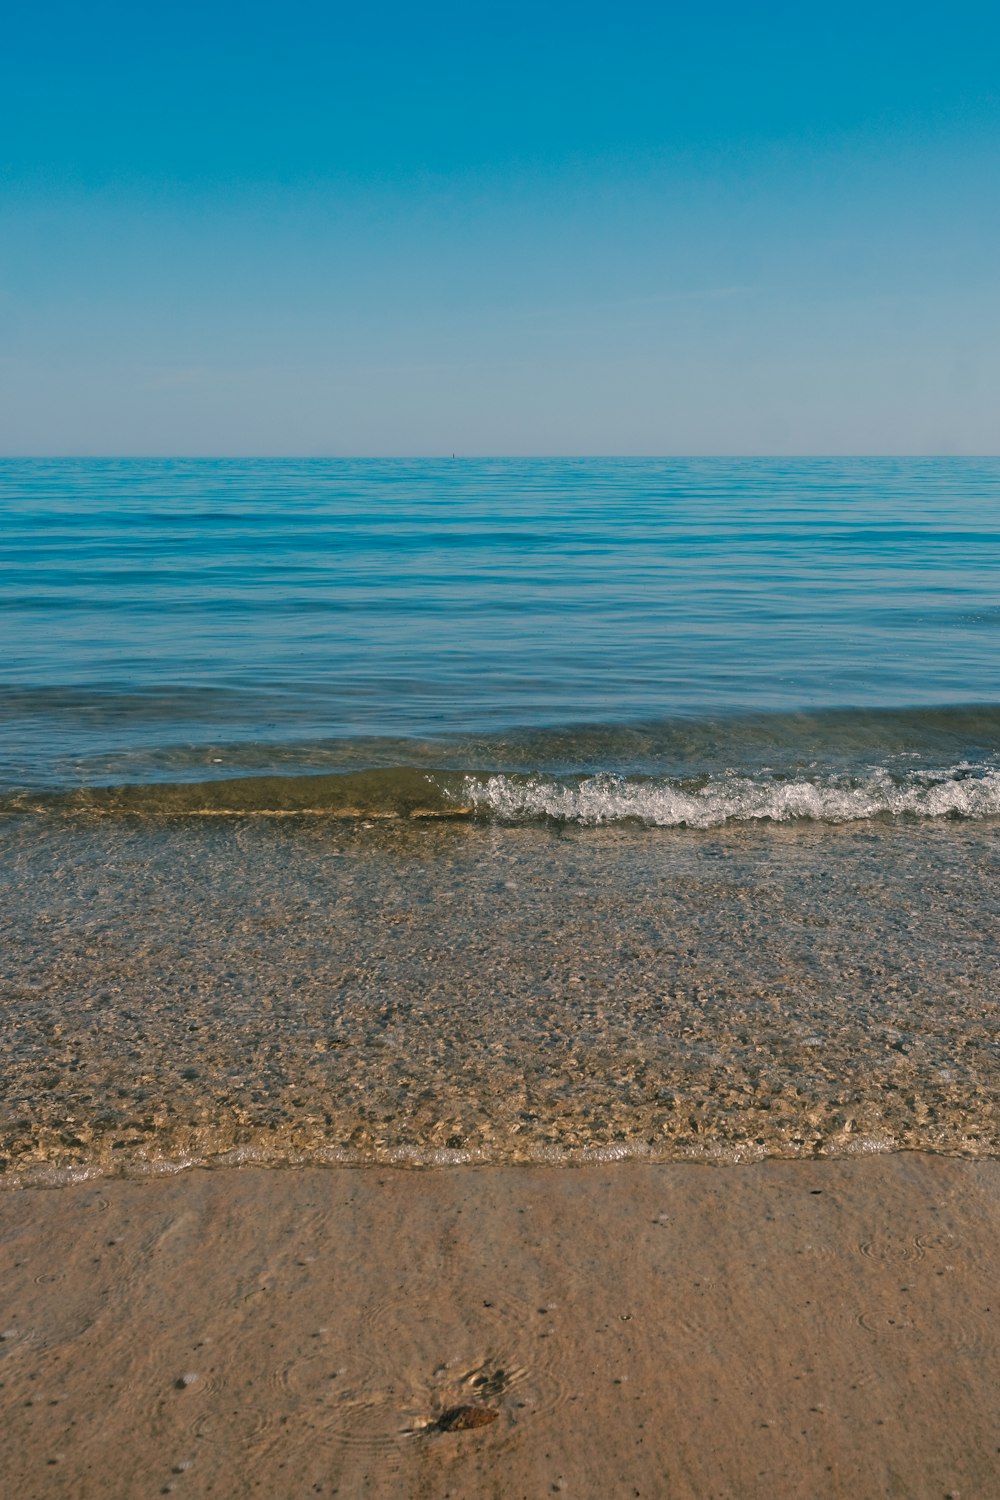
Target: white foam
x: 605, y: 799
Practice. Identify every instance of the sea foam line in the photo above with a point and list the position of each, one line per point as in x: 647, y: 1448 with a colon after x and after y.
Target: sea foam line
x: 605, y: 798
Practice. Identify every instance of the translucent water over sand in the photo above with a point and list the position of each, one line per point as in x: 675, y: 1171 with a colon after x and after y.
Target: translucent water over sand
x: 308, y: 990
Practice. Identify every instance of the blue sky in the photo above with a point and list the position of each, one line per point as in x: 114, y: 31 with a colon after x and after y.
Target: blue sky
x: 410, y: 229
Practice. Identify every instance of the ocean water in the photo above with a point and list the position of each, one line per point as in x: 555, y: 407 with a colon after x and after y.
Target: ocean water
x: 696, y: 635
x: 497, y: 810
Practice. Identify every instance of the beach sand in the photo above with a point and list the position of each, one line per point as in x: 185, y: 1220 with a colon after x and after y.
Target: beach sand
x: 785, y: 1329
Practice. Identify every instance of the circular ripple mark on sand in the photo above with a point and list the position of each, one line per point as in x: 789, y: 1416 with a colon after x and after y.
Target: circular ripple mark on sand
x: 420, y: 1355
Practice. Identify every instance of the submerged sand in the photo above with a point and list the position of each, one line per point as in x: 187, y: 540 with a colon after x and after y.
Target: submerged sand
x: 787, y: 1329
x: 300, y: 992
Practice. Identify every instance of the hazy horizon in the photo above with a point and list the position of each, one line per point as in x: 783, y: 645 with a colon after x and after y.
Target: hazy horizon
x: 582, y: 456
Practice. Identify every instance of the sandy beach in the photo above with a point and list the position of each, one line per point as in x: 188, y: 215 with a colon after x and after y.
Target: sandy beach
x: 786, y: 1329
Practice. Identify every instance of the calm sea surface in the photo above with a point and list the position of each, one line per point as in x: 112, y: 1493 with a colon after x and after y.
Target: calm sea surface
x: 178, y: 621
x: 562, y: 809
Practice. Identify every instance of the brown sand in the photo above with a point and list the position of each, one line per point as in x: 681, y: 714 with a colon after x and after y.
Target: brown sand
x: 803, y: 1329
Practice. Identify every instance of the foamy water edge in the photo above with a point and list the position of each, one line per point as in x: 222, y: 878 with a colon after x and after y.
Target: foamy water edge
x: 603, y: 799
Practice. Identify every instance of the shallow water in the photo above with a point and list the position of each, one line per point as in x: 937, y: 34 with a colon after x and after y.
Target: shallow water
x: 245, y: 989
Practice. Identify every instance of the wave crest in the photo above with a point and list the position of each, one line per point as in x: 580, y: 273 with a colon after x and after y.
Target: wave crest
x: 606, y: 798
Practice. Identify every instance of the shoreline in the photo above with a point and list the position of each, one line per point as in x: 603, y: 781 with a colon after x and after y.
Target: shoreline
x: 782, y: 1329
x: 46, y: 1178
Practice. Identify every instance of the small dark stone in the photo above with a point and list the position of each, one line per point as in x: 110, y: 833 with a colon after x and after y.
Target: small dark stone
x: 463, y: 1418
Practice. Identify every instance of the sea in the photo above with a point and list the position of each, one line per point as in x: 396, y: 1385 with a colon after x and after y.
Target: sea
x: 420, y: 812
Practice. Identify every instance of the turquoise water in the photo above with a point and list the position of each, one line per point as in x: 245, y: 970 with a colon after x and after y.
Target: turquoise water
x: 567, y: 638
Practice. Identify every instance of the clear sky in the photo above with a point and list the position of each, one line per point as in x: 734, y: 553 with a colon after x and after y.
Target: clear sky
x: 499, y: 228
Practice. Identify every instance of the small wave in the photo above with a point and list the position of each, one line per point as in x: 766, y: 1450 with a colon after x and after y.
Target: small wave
x: 401, y: 792
x: 603, y: 799
x: 960, y: 791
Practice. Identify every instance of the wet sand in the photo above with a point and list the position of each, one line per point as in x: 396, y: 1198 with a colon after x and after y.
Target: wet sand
x: 783, y: 1329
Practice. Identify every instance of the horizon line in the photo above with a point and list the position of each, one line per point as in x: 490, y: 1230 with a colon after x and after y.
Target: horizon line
x: 472, y: 457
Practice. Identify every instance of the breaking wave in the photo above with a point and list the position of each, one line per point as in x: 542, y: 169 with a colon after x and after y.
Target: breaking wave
x: 602, y: 799
x: 959, y: 791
